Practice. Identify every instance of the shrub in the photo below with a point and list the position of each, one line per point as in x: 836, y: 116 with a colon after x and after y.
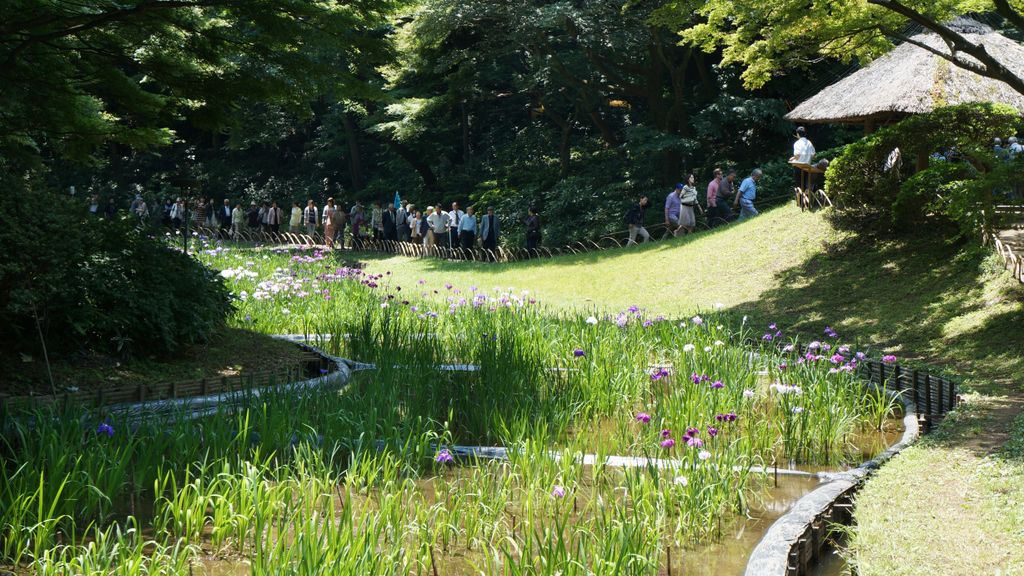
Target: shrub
x: 869, y: 196
x: 97, y: 284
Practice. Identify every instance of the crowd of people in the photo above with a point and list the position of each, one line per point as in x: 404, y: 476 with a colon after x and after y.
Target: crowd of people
x: 682, y: 204
x: 454, y: 228
x: 398, y: 222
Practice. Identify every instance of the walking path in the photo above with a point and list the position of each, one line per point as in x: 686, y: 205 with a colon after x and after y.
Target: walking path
x: 1009, y: 242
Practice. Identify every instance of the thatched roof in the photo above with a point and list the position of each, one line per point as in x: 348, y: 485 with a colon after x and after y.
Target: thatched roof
x: 911, y: 80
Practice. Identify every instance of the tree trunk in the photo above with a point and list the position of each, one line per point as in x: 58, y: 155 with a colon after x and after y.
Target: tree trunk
x: 355, y: 162
x: 467, y: 151
x: 417, y: 163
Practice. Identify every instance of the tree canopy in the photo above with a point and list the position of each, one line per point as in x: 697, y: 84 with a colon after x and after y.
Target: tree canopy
x: 768, y: 38
x: 73, y: 74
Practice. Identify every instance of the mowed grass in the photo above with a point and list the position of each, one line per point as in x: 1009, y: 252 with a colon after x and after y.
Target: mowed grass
x: 946, y: 506
x: 954, y: 504
x: 728, y: 265
x: 950, y: 306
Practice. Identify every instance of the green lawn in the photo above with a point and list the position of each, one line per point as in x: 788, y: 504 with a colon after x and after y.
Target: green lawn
x: 951, y: 306
x: 728, y: 265
x: 954, y: 504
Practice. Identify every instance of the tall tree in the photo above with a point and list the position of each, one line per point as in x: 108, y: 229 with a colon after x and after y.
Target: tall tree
x: 769, y: 37
x: 76, y: 74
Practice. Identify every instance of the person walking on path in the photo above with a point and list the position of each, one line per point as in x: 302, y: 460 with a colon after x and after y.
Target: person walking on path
x: 252, y: 216
x: 747, y: 194
x: 377, y: 221
x: 295, y: 218
x: 438, y: 222
x: 489, y: 230
x: 467, y: 229
x: 533, y: 236
x: 635, y: 219
x: 139, y: 208
x: 415, y: 219
x: 330, y: 228
x: 673, y: 205
x: 237, y: 221
x: 389, y: 223
x: 454, y: 220
x: 310, y: 217
x: 165, y: 218
x: 274, y: 217
x: 224, y: 217
x: 358, y: 227
x: 688, y: 201
x: 178, y: 214
x: 402, y: 222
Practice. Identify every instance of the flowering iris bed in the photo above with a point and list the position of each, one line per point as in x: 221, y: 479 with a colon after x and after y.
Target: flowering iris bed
x: 453, y: 366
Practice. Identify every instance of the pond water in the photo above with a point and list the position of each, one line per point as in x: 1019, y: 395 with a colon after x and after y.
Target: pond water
x: 772, y: 498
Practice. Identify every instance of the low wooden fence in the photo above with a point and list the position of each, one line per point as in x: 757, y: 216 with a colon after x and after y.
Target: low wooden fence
x: 1012, y: 217
x: 308, y: 367
x: 933, y: 395
x: 445, y: 252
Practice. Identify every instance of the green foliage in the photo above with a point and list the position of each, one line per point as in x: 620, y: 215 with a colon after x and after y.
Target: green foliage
x: 868, y: 196
x: 97, y: 283
x: 772, y: 38
x: 78, y: 75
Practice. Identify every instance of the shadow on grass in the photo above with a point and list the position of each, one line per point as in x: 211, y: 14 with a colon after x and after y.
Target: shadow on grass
x: 951, y: 307
x: 922, y: 299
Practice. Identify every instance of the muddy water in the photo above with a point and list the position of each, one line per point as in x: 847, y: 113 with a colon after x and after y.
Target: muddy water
x: 728, y: 556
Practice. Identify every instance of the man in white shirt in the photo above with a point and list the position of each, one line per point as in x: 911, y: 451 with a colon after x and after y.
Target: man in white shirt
x: 803, y: 153
x: 803, y: 150
x: 455, y: 217
x: 438, y: 222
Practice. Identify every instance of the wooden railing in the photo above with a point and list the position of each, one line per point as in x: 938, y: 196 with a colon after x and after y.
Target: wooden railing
x: 933, y: 395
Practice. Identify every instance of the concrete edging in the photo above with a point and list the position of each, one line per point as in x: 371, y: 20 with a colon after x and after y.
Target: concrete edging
x: 799, y: 532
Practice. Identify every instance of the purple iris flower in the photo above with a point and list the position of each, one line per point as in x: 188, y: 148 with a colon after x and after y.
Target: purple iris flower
x: 668, y: 443
x: 105, y: 428
x: 643, y: 417
x: 444, y: 457
x: 579, y: 353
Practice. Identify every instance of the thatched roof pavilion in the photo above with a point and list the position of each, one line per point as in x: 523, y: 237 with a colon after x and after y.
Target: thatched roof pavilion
x: 910, y: 80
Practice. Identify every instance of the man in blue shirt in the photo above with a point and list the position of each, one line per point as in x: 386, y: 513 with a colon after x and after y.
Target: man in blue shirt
x: 467, y: 229
x: 748, y: 191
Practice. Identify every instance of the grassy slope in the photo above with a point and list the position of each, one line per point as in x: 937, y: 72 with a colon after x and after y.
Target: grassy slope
x: 927, y: 301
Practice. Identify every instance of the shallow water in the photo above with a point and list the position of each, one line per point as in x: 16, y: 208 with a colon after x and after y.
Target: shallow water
x: 728, y: 556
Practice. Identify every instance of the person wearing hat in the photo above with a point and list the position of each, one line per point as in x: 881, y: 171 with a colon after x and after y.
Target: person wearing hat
x: 1015, y: 148
x: 139, y: 208
x: 252, y: 216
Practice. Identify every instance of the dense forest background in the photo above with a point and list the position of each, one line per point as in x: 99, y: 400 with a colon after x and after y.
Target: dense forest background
x: 574, y: 107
